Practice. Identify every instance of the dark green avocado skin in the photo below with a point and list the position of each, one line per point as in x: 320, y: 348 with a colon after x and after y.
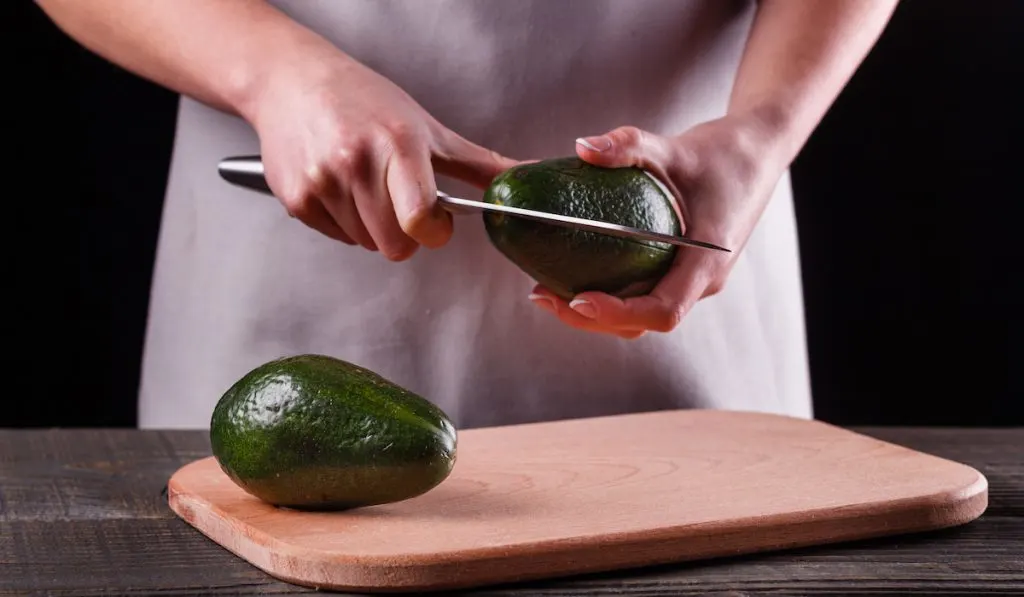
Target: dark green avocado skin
x: 569, y: 261
x: 315, y: 432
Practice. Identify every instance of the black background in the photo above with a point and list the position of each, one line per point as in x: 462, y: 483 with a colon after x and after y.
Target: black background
x: 906, y: 194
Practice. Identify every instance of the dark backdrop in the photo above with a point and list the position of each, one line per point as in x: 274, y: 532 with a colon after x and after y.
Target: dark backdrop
x: 906, y: 199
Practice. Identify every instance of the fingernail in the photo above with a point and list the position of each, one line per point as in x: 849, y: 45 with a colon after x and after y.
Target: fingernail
x: 543, y: 302
x: 584, y: 308
x: 595, y: 143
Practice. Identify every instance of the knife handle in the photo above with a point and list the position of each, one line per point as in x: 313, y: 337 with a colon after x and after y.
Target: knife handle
x: 245, y: 171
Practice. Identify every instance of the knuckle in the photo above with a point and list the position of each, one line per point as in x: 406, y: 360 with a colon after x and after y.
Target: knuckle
x: 317, y: 182
x: 300, y: 197
x: 499, y: 161
x: 397, y: 251
x: 298, y: 205
x: 715, y: 287
x: 422, y: 222
x: 295, y: 198
x: 402, y: 136
x: 414, y: 218
x: 351, y: 159
x: 669, y: 318
x: 629, y: 134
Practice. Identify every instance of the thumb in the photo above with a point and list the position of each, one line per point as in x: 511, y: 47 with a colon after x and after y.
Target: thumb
x: 462, y: 159
x: 621, y: 147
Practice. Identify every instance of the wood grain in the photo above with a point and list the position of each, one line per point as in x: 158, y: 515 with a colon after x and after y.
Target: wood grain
x: 554, y: 499
x: 89, y: 474
x: 167, y: 557
x: 43, y: 551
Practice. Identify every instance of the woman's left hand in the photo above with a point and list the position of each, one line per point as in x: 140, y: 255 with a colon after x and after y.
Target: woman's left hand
x: 722, y: 174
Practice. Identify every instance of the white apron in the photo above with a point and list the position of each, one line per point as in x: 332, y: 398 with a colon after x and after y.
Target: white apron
x: 237, y: 282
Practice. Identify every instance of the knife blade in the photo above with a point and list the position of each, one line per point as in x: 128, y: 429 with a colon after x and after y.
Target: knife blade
x: 247, y: 172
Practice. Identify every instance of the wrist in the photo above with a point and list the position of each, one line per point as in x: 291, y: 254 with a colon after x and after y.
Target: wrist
x: 783, y: 121
x: 242, y: 87
x: 762, y: 134
x: 294, y: 63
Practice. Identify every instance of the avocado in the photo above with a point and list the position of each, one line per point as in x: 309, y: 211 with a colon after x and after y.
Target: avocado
x: 312, y: 432
x: 568, y: 261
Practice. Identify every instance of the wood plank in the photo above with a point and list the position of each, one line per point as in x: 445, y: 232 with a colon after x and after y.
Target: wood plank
x: 976, y: 446
x: 90, y: 474
x: 166, y: 557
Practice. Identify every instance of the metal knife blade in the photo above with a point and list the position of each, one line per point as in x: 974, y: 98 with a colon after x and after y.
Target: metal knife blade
x: 247, y: 171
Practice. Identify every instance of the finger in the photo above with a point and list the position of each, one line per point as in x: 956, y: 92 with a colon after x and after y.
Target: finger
x: 557, y: 306
x: 343, y: 211
x: 624, y: 146
x: 665, y: 307
x: 337, y: 201
x: 312, y: 214
x: 410, y: 182
x: 319, y: 219
x: 378, y: 215
x: 301, y: 202
x: 364, y: 171
x: 574, y: 320
x: 462, y: 159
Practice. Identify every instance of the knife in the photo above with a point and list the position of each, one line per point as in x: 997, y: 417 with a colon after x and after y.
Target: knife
x: 247, y: 172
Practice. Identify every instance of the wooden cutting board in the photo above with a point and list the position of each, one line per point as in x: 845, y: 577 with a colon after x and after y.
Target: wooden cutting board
x: 562, y: 498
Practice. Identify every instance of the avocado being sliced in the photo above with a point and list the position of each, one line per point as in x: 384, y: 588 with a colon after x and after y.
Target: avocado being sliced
x: 569, y: 261
x: 313, y: 432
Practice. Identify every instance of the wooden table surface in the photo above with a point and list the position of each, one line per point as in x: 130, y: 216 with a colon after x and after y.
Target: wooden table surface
x: 83, y: 512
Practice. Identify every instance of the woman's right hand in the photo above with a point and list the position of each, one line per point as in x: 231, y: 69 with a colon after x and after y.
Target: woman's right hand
x: 353, y: 156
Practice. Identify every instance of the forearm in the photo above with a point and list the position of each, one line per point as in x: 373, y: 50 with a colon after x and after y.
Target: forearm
x: 219, y: 53
x: 799, y: 56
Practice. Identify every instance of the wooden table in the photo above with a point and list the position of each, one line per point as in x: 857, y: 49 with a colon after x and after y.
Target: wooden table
x: 83, y: 512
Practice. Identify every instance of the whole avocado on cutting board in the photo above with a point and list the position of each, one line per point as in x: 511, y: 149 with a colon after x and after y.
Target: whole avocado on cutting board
x: 317, y: 433
x: 568, y: 261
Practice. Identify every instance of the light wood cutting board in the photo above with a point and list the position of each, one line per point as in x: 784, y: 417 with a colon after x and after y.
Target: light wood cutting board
x: 587, y: 495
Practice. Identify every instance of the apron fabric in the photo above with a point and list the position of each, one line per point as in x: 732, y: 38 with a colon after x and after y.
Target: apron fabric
x: 238, y: 283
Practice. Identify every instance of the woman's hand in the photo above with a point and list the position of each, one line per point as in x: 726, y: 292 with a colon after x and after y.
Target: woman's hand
x: 797, y: 59
x: 722, y: 174
x: 353, y: 156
